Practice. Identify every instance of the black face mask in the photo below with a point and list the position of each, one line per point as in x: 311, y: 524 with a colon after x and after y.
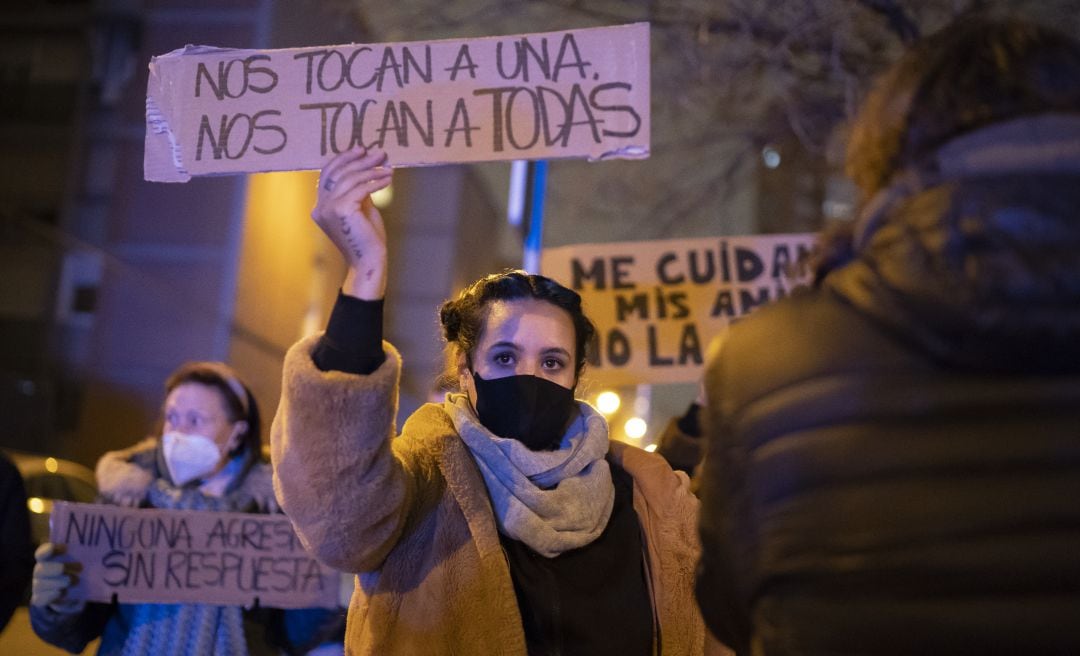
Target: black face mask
x: 529, y: 409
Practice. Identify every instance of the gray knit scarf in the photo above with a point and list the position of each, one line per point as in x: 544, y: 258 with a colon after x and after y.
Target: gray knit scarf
x: 188, y: 629
x: 553, y: 501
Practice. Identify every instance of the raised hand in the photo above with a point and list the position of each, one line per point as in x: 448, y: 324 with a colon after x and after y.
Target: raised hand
x: 344, y: 212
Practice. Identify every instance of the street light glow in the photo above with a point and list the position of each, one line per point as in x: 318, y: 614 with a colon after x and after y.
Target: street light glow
x: 635, y: 428
x: 608, y: 402
x: 770, y: 156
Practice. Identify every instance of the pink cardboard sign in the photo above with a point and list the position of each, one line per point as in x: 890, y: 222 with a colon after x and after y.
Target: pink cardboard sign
x: 575, y: 93
x: 186, y: 556
x: 658, y: 304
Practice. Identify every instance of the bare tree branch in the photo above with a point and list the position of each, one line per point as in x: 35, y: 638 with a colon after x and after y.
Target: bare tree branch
x: 728, y: 77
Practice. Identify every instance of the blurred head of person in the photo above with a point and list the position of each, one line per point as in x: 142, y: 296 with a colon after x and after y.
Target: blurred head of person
x: 967, y: 244
x: 976, y: 73
x: 517, y: 345
x: 209, y: 418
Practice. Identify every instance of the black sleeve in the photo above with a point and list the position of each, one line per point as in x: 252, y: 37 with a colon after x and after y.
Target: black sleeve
x: 16, y: 545
x: 352, y: 342
x: 71, y: 631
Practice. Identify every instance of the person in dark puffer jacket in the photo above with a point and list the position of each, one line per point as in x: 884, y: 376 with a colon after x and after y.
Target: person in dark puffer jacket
x: 893, y: 463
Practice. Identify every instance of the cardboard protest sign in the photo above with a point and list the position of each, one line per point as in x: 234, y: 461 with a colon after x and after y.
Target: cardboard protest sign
x: 657, y: 304
x: 576, y: 93
x: 180, y: 556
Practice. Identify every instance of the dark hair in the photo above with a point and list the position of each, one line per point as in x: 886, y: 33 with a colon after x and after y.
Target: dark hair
x: 239, y: 401
x: 463, y: 318
x: 834, y: 249
x: 972, y: 73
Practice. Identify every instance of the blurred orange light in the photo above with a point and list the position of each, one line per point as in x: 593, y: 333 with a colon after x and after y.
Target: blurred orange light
x: 608, y: 402
x: 635, y: 428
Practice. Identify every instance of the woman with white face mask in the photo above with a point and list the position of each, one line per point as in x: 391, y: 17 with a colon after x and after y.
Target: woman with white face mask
x: 208, y: 457
x: 500, y: 521
x: 199, y: 436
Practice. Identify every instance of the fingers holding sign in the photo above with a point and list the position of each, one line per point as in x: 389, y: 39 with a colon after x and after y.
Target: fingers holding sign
x: 55, y: 580
x: 344, y: 212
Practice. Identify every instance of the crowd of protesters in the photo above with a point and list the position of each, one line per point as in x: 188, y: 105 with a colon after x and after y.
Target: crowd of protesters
x: 898, y: 476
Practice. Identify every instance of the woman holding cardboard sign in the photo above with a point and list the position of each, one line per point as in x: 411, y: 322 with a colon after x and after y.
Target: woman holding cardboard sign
x: 209, y: 457
x: 501, y: 520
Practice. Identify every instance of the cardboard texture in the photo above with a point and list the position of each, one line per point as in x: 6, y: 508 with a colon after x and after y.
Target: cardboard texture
x: 177, y: 556
x: 658, y: 304
x: 576, y: 93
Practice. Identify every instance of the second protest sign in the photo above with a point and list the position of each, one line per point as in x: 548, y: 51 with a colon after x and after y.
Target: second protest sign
x: 177, y: 556
x: 657, y: 304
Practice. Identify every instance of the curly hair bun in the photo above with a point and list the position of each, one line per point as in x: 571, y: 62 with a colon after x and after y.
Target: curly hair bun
x: 450, y: 318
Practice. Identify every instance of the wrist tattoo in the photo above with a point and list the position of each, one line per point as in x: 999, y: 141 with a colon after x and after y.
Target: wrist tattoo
x: 354, y: 246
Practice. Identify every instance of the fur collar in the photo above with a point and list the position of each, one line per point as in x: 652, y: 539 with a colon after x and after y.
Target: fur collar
x: 124, y: 477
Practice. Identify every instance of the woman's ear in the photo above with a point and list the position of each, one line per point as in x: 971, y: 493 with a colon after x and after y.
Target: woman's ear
x: 240, y: 429
x: 462, y: 368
